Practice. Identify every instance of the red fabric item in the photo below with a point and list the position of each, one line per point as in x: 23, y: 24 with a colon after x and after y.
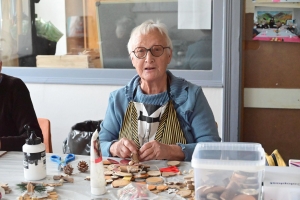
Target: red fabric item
x: 169, y: 169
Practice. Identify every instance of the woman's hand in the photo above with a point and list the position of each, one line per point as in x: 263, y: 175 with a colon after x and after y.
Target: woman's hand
x: 157, y: 151
x: 123, y: 148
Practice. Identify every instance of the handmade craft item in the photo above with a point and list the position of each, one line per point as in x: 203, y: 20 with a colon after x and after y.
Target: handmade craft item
x: 5, y: 187
x: 134, y: 159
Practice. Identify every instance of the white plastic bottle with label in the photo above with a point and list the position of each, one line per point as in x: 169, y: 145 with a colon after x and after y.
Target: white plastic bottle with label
x: 34, y: 158
x: 98, y: 183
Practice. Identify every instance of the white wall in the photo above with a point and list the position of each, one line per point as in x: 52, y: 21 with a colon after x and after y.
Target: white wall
x: 66, y: 105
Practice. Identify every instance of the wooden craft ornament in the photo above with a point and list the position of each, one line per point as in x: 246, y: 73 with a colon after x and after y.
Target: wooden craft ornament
x: 167, y: 174
x: 151, y: 187
x: 108, y: 173
x: 173, y: 163
x: 106, y: 162
x: 162, y: 187
x: 122, y: 174
x: 153, y: 173
x: 120, y: 183
x: 184, y: 193
x: 154, y: 180
x: 135, y: 158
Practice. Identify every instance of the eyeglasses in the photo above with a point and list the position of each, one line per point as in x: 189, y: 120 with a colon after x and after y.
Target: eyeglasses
x: 156, y: 50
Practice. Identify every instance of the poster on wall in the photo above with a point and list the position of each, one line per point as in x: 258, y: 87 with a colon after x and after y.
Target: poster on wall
x: 276, y: 24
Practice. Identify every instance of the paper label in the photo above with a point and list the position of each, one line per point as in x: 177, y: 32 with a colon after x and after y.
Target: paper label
x: 34, y: 158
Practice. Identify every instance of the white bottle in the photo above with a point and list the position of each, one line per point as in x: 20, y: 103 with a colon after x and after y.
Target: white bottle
x: 98, y: 183
x: 34, y: 158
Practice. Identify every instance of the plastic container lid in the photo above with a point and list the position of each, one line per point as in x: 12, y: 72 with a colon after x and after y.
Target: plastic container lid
x: 229, y: 155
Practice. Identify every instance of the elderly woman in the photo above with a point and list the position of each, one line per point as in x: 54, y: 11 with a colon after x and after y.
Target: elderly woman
x: 156, y: 115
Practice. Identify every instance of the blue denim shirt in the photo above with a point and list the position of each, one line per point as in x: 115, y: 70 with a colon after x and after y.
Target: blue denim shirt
x: 193, y: 111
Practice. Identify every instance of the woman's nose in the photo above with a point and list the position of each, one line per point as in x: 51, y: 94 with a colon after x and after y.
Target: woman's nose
x: 149, y: 57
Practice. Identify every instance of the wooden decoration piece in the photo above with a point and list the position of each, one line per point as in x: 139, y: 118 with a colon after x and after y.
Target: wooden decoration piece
x: 108, y: 173
x: 167, y: 174
x: 154, y: 180
x: 173, y: 163
x: 123, y: 174
x: 129, y: 169
x: 106, y: 162
x: 154, y: 173
x: 135, y: 158
x: 151, y: 187
x: 120, y: 183
x: 162, y: 187
x: 184, y: 193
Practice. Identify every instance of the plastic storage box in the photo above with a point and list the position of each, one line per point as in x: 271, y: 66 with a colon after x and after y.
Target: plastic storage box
x: 228, y: 170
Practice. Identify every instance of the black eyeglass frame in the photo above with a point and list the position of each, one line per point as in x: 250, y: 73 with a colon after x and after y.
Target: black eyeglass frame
x: 150, y: 51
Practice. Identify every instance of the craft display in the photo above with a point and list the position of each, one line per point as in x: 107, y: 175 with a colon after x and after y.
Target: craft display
x: 125, y: 174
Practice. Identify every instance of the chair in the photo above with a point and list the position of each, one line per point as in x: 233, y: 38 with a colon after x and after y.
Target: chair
x: 45, y: 127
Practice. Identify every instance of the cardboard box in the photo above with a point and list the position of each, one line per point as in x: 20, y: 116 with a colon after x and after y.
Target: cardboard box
x: 67, y: 61
x: 281, y: 183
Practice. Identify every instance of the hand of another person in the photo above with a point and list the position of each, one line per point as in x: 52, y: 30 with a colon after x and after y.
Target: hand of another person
x: 123, y: 148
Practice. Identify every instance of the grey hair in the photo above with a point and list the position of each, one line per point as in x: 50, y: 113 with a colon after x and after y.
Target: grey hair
x: 147, y: 27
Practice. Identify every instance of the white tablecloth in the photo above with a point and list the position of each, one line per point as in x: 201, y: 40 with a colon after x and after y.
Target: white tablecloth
x: 11, y: 172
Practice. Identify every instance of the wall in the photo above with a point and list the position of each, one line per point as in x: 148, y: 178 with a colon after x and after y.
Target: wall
x: 66, y: 105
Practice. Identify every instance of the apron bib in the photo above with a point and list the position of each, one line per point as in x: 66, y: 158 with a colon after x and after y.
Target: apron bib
x: 143, y: 123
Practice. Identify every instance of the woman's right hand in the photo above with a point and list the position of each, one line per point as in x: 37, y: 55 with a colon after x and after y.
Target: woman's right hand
x: 123, y: 148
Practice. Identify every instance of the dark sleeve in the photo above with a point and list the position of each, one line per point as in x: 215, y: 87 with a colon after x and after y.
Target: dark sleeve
x: 22, y: 113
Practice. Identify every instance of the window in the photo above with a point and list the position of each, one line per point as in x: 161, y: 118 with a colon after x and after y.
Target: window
x: 114, y: 70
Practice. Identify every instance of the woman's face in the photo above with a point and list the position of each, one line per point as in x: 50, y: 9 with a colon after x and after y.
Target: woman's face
x: 151, y: 68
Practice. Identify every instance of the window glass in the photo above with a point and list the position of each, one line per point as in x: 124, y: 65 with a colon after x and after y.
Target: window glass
x: 192, y: 48
x: 96, y: 35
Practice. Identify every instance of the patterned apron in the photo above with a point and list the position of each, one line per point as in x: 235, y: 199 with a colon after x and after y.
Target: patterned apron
x: 143, y: 123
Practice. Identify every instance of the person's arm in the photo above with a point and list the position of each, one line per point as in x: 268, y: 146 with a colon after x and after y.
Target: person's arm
x: 202, y: 124
x: 111, y: 125
x: 22, y: 113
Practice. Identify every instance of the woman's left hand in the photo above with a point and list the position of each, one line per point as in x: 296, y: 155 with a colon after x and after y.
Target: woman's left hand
x: 157, y: 151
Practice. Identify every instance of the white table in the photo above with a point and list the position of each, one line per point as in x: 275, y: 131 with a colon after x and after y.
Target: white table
x: 11, y: 172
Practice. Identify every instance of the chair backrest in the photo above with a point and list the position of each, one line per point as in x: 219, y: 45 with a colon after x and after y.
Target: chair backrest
x: 46, y: 130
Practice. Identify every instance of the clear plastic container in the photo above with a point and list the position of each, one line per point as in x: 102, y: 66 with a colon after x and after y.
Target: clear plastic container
x: 228, y: 170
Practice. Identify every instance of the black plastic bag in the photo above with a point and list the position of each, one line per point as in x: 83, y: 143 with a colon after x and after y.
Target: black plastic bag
x: 79, y: 139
